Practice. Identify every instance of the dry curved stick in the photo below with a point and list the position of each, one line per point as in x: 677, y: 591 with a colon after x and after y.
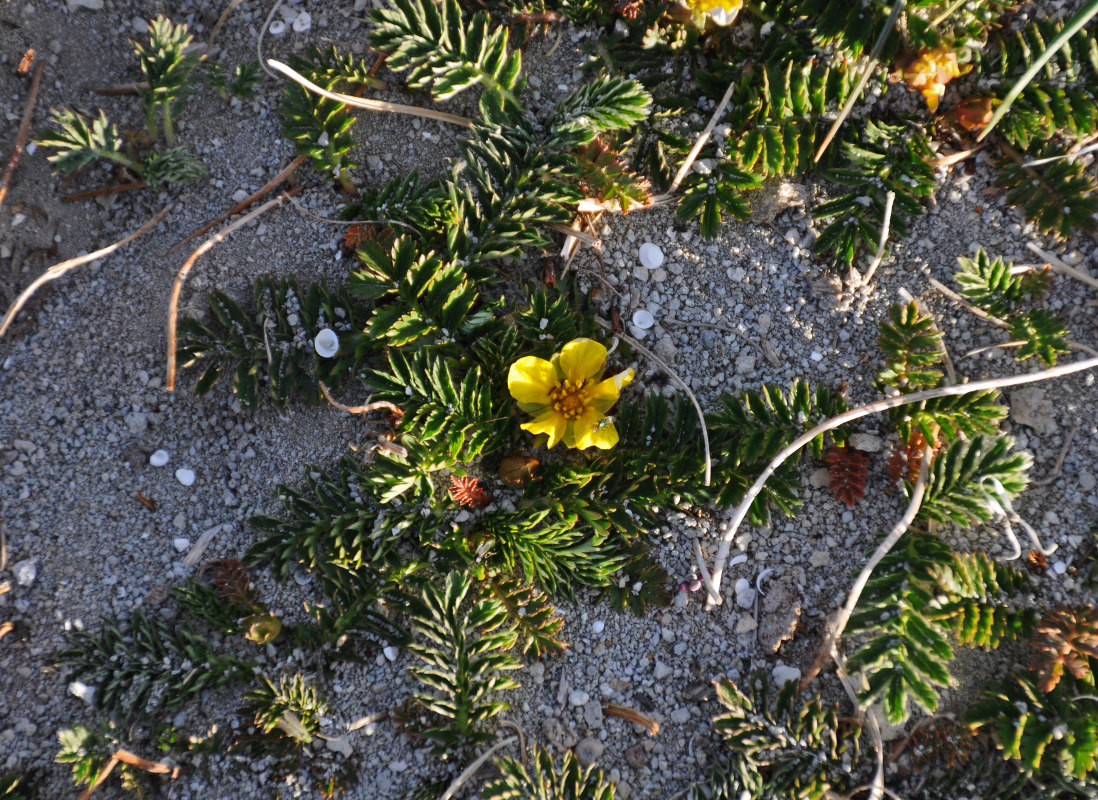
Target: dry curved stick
x: 362, y: 102
x: 613, y: 710
x: 21, y: 137
x: 1054, y: 473
x: 740, y: 513
x: 392, y: 408
x: 471, y: 770
x: 677, y: 381
x: 57, y: 270
x: 181, y: 276
x: 856, y: 590
x: 272, y: 183
x: 221, y: 20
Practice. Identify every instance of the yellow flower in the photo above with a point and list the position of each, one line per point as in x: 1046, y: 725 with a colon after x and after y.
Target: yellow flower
x: 566, y: 397
x: 721, y: 12
x: 930, y: 71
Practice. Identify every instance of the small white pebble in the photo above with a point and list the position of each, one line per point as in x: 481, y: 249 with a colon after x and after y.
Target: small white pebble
x: 650, y: 255
x: 303, y: 22
x: 1059, y: 567
x: 598, y: 625
x: 782, y: 674
x: 160, y: 458
x: 25, y: 572
x: 391, y: 652
x: 578, y: 697
x: 185, y: 476
x: 815, y: 356
x: 83, y: 691
x: 277, y: 28
x: 182, y: 545
x: 643, y: 319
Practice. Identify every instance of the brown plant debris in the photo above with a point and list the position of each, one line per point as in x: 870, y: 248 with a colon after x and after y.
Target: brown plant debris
x: 1067, y: 638
x: 468, y: 492
x: 847, y: 470
x: 903, y: 462
x: 613, y: 710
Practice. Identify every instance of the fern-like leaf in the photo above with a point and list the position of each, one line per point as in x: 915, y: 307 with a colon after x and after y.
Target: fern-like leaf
x: 533, y: 617
x: 912, y: 348
x: 542, y: 780
x: 603, y: 105
x: 960, y: 488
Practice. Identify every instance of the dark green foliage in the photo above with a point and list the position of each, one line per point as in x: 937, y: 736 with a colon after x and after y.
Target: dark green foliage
x: 979, y: 780
x: 801, y: 748
x: 920, y: 592
x: 1049, y: 734
x: 174, y: 165
x: 912, y: 348
x: 292, y: 706
x: 446, y: 55
x: 603, y: 105
x: 960, y: 486
x: 464, y: 649
x: 730, y: 780
x: 972, y: 414
x: 328, y: 68
x: 989, y: 284
x: 88, y: 751
x: 876, y: 158
x: 640, y: 585
x: 332, y: 522
x: 448, y: 411
x: 150, y: 667
x: 531, y: 614
x: 201, y: 602
x: 715, y: 193
x: 167, y: 70
x: 562, y: 310
x: 320, y: 129
x: 1064, y: 94
x: 80, y: 141
x: 415, y: 294
x: 14, y: 786
x: 241, y: 83
x: 277, y: 344
x: 542, y: 780
x: 1043, y: 334
x: 402, y: 200
x: 1059, y: 198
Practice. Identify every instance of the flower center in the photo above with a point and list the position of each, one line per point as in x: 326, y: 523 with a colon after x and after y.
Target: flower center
x: 569, y: 399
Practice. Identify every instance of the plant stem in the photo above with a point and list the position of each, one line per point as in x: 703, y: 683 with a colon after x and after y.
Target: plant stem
x: 1070, y: 29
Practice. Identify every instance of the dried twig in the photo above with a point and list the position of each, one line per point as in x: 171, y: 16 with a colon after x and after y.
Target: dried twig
x: 509, y: 723
x: 894, y: 535
x: 392, y: 408
x: 999, y: 323
x: 119, y: 89
x: 471, y: 770
x: 221, y: 20
x: 890, y: 199
x: 740, y: 513
x: 613, y: 710
x: 272, y: 183
x: 897, y: 8
x: 181, y: 276
x: 126, y: 757
x: 93, y: 193
x: 362, y: 102
x: 57, y: 270
x: 1058, y: 465
x: 21, y: 137
x: 702, y: 139
x: 1062, y: 267
x: 677, y: 381
x: 3, y: 546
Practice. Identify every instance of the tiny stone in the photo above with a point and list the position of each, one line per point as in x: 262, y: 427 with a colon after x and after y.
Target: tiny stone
x: 182, y: 545
x: 160, y: 458
x: 83, y: 691
x: 185, y: 476
x: 782, y: 674
x: 643, y: 319
x: 816, y: 356
x: 391, y: 652
x: 25, y: 572
x: 1059, y: 567
x: 819, y: 558
x: 662, y: 670
x: 578, y: 697
x: 651, y: 256
x: 820, y: 478
x: 341, y: 745
x: 598, y: 625
x: 866, y: 442
x: 636, y: 756
x: 589, y: 750
x: 745, y: 595
x: 746, y: 624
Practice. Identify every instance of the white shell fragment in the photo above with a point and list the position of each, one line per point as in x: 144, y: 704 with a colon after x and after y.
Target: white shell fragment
x: 303, y: 22
x: 650, y: 255
x: 277, y: 28
x: 326, y: 343
x: 185, y: 476
x: 160, y: 458
x: 643, y: 319
x: 745, y: 595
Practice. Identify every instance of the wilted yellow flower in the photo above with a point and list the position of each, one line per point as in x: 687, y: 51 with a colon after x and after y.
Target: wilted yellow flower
x: 930, y: 71
x: 566, y: 395
x: 721, y: 12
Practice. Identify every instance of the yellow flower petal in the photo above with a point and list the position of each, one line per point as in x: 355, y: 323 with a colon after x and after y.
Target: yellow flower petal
x: 605, y: 394
x: 603, y: 437
x: 530, y: 379
x: 551, y: 423
x: 582, y: 359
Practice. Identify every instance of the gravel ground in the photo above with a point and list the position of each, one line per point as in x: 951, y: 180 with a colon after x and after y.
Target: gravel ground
x: 82, y: 405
